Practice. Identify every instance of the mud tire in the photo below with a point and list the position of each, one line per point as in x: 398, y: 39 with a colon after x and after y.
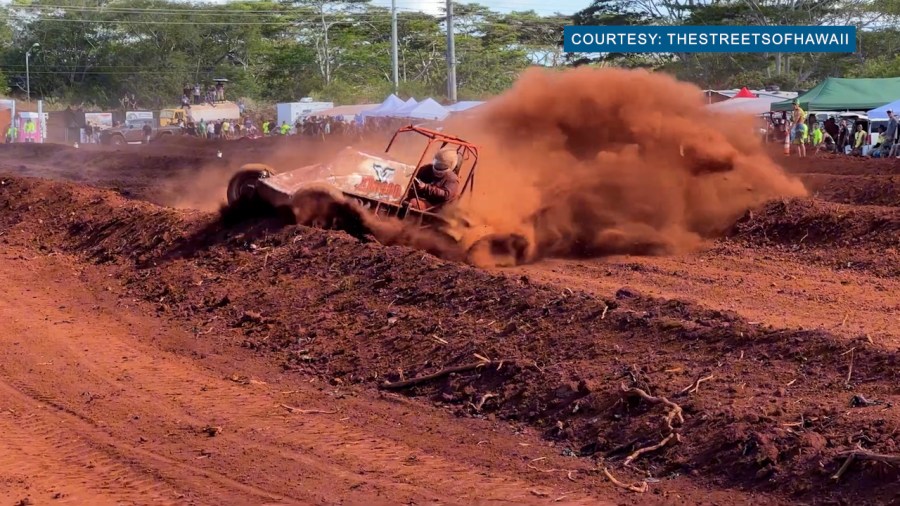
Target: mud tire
x: 244, y: 201
x: 499, y: 250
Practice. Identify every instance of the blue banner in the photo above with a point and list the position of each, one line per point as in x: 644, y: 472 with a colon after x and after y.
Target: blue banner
x: 709, y: 39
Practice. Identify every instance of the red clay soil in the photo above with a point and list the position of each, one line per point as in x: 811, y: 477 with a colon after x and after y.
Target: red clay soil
x: 775, y: 414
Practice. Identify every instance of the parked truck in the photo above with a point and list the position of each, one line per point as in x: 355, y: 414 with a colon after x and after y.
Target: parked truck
x: 195, y: 113
x: 132, y: 132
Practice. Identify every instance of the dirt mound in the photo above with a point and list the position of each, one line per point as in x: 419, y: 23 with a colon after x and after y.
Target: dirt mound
x: 836, y: 235
x: 814, y: 222
x: 775, y: 413
x: 872, y: 190
x: 835, y: 164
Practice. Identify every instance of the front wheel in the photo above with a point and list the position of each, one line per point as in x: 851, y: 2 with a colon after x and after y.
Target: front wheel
x: 242, y: 188
x: 499, y: 250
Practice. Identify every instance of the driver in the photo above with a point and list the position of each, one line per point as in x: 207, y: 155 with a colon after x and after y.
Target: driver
x: 436, y: 183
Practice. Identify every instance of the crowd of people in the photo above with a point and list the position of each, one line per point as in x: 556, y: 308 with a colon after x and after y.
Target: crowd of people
x: 839, y: 136
x: 199, y: 94
x: 310, y: 127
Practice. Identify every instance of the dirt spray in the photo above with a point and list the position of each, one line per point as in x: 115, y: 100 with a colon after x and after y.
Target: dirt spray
x: 588, y: 162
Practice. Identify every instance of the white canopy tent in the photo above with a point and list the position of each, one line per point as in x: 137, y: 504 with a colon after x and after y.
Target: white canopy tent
x: 465, y: 105
x: 428, y: 109
x: 390, y: 104
x: 404, y: 110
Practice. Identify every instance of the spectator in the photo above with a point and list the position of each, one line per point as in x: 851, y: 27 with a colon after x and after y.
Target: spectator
x: 881, y: 148
x: 197, y: 89
x: 801, y: 138
x: 12, y: 132
x: 822, y: 140
x: 859, y: 139
x: 201, y: 129
x: 220, y: 91
x: 844, y: 137
x: 890, y: 135
x: 30, y: 130
x: 148, y: 132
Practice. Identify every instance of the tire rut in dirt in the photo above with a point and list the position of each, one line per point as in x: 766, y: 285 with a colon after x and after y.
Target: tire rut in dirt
x: 67, y: 456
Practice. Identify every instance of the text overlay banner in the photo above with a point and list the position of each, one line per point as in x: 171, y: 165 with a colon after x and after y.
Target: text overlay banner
x: 709, y: 39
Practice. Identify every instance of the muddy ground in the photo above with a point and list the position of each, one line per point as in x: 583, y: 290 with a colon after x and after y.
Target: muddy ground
x: 151, y: 356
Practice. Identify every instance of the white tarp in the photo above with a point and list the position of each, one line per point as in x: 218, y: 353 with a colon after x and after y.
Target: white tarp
x: 755, y: 106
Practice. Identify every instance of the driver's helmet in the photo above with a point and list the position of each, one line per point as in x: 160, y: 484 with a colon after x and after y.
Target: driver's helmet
x: 445, y: 160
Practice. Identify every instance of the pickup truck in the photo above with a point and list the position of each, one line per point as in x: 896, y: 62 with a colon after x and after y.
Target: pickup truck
x: 133, y: 132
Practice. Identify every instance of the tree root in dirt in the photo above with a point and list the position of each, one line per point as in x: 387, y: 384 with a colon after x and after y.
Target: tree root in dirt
x: 440, y: 374
x: 693, y: 387
x: 674, y: 413
x: 863, y: 455
x: 637, y: 453
x: 300, y: 411
x: 640, y: 489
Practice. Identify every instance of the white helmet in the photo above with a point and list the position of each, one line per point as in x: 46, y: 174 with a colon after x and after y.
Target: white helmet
x: 445, y: 159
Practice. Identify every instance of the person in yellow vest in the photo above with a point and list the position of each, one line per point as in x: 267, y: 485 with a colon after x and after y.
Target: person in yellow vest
x: 226, y: 130
x: 285, y: 128
x: 11, y: 133
x: 859, y: 138
x: 30, y: 130
x: 265, y: 127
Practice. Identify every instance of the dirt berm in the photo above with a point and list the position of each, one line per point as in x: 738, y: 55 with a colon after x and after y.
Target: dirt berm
x: 775, y: 412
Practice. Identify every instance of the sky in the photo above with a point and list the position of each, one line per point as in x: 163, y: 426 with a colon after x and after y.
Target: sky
x: 539, y: 6
x: 436, y: 6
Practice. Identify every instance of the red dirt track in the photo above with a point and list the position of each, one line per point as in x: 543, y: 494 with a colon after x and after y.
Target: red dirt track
x: 151, y: 356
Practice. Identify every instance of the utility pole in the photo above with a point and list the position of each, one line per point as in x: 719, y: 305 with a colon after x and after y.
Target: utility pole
x: 27, y: 72
x: 394, y: 60
x: 27, y: 77
x: 451, y: 55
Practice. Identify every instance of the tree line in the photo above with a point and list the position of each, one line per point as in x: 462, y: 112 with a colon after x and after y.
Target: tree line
x: 97, y: 52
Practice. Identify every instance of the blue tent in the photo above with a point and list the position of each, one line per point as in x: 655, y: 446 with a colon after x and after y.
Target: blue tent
x: 464, y: 105
x: 391, y: 103
x: 880, y: 113
x: 428, y: 109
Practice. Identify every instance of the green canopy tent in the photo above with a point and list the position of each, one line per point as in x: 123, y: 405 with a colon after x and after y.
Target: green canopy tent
x: 842, y: 94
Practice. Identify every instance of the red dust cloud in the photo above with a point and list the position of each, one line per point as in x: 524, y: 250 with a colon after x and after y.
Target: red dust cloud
x: 590, y: 162
x: 577, y: 163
